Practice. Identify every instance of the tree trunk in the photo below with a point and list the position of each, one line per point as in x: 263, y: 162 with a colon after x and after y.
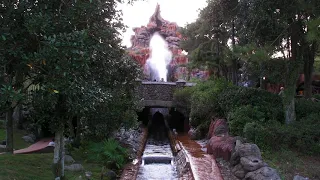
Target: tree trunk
x: 309, y: 55
x: 58, y: 159
x: 289, y: 105
x: 308, y: 66
x: 78, y: 133
x: 71, y: 127
x: 9, y: 129
x: 292, y: 75
x: 234, y: 60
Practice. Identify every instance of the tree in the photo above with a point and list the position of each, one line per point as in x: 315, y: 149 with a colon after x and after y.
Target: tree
x: 268, y: 27
x: 15, y: 44
x: 72, y: 50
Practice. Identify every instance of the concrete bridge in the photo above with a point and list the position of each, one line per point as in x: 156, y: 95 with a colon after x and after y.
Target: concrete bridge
x: 159, y: 94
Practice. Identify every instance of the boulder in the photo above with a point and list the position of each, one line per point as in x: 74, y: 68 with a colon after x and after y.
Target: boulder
x: 218, y: 127
x: 244, y: 150
x: 251, y: 163
x: 264, y: 173
x: 74, y: 167
x: 68, y: 159
x: 220, y: 146
x: 238, y: 171
x: 32, y: 136
x: 28, y: 139
x: 109, y: 175
x: 297, y: 177
x: 3, y: 148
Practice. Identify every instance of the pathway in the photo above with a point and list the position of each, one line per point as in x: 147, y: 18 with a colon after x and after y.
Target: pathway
x: 202, y: 164
x: 38, y: 147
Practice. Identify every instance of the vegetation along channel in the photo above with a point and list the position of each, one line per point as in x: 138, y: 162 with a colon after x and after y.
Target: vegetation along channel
x: 160, y: 90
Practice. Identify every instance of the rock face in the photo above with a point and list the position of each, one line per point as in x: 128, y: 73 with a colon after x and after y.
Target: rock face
x: 169, y: 31
x: 68, y: 159
x: 131, y: 138
x: 28, y: 139
x: 220, y: 143
x: 247, y: 163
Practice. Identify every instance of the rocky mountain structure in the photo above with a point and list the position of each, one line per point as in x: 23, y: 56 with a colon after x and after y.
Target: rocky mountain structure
x: 169, y: 31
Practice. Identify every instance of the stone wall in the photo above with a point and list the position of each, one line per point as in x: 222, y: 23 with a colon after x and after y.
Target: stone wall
x: 158, y: 93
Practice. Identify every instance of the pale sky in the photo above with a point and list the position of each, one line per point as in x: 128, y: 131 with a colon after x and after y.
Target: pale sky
x: 179, y: 11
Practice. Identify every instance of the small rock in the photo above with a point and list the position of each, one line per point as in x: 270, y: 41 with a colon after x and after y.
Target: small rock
x: 238, y: 171
x: 68, y: 159
x: 74, y: 167
x: 32, y: 136
x: 251, y: 163
x: 297, y: 177
x: 264, y: 173
x: 28, y: 139
x: 109, y: 175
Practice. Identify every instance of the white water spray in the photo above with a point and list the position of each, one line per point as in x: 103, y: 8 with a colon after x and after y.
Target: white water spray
x: 160, y: 58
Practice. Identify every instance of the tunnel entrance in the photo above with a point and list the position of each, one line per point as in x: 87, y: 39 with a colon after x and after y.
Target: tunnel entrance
x: 157, y: 127
x: 178, y: 121
x: 157, y: 117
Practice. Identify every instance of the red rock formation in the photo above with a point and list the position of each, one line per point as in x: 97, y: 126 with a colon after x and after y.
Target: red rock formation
x: 220, y: 143
x: 169, y: 31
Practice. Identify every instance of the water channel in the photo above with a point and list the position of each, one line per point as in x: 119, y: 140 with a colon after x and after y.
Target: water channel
x: 157, y: 161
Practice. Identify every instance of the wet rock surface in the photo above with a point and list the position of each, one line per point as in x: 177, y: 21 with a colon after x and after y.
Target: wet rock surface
x: 225, y: 169
x: 131, y: 138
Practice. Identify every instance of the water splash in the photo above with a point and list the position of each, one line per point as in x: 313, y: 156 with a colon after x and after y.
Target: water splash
x: 159, y: 59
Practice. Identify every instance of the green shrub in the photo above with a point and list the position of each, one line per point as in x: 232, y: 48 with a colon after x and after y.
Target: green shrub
x: 108, y: 152
x: 304, y: 107
x: 2, y: 123
x: 204, y: 101
x: 200, y: 101
x: 317, y: 96
x: 302, y: 135
x: 182, y: 98
x: 242, y: 115
x: 268, y: 103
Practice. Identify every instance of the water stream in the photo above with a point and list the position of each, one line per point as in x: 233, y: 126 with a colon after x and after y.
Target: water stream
x: 157, y: 162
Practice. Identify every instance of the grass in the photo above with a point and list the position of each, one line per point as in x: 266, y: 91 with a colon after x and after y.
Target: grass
x: 18, y: 142
x: 290, y: 163
x: 37, y: 166
x: 26, y: 166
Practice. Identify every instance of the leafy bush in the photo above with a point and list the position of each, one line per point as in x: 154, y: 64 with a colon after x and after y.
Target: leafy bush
x: 317, y: 96
x: 201, y: 102
x: 268, y: 103
x: 204, y: 101
x: 182, y: 98
x: 242, y: 115
x: 109, y: 152
x: 303, y: 136
x: 304, y: 107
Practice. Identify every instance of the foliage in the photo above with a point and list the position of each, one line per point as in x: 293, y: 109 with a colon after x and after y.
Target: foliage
x: 204, y: 101
x: 182, y: 98
x: 289, y: 163
x: 109, y: 152
x: 303, y: 135
x: 239, y: 117
x: 80, y: 66
x: 268, y: 103
x: 201, y: 102
x: 305, y: 107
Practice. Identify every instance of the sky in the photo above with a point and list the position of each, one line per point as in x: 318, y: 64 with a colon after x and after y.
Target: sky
x: 179, y: 11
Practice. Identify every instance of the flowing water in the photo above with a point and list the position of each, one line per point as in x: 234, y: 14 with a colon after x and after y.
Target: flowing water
x: 157, y: 162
